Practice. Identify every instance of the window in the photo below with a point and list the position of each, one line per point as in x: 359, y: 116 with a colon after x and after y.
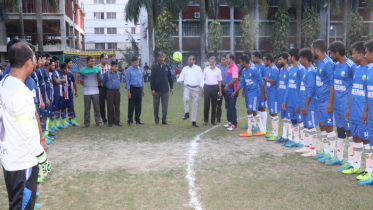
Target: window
x: 265, y: 28
x: 237, y: 29
x: 366, y: 29
x: 191, y: 29
x: 99, y: 31
x: 111, y: 46
x: 99, y: 15
x: 111, y: 15
x: 111, y: 30
x: 99, y: 46
x: 99, y: 1
x: 226, y: 28
x: 337, y: 30
x: 111, y: 1
x: 193, y: 1
x: 133, y: 30
x: 175, y: 29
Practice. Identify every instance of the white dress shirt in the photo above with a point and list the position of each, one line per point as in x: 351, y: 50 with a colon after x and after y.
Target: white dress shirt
x: 192, y: 76
x: 212, y: 76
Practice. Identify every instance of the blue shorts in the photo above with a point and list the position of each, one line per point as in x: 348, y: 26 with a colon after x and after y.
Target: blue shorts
x: 272, y: 106
x: 360, y: 129
x: 56, y: 103
x: 340, y: 121
x: 370, y: 133
x: 252, y: 103
x: 290, y: 113
x: 66, y: 103
x: 323, y: 115
x: 282, y: 112
x: 312, y: 119
x: 262, y: 103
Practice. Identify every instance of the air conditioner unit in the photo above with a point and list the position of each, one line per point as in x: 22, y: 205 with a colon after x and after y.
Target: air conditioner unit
x: 197, y: 15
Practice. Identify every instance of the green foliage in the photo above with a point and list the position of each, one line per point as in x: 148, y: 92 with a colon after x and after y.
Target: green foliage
x: 310, y: 27
x: 52, y: 4
x: 280, y: 32
x: 163, y: 35
x: 354, y: 27
x: 370, y: 36
x: 248, y: 34
x: 129, y: 52
x: 214, y: 36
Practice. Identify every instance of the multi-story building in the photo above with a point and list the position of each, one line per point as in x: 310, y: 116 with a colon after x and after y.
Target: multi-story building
x: 63, y: 27
x: 106, y: 28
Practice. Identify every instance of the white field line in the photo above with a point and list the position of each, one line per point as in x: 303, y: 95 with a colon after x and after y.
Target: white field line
x: 191, y: 176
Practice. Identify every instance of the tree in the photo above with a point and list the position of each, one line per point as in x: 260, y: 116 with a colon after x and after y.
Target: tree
x: 354, y: 25
x: 280, y: 32
x: 215, y: 37
x: 299, y: 23
x: 129, y: 52
x: 133, y: 7
x: 202, y: 9
x: 345, y: 13
x: 248, y: 32
x: 163, y: 35
x: 310, y: 27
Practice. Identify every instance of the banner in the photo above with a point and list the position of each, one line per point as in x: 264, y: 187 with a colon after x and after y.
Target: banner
x: 85, y: 54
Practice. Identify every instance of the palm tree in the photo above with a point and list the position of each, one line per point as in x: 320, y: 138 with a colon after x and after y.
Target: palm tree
x: 19, y: 5
x: 202, y: 10
x: 52, y: 4
x: 153, y: 7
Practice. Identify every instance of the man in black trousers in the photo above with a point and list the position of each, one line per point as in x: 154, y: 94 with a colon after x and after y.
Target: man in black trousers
x: 135, y: 87
x: 104, y: 67
x: 160, y: 78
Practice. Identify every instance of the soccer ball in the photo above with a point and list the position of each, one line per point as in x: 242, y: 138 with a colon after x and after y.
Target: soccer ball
x: 177, y: 56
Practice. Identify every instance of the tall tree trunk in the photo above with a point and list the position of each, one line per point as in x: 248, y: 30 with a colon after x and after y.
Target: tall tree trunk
x: 299, y: 20
x: 345, y: 11
x: 202, y: 8
x: 21, y: 25
x: 150, y: 35
x: 252, y: 23
x: 356, y: 6
x: 39, y: 24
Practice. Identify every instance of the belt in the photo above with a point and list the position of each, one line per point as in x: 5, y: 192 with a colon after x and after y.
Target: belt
x: 192, y: 86
x: 131, y: 86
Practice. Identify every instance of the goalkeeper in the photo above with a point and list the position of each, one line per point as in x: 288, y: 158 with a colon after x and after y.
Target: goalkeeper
x: 20, y: 149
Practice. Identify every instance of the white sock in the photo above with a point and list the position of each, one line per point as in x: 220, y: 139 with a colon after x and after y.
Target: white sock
x: 331, y: 143
x: 341, y: 148
x: 324, y: 139
x: 312, y: 139
x: 249, y: 122
x: 259, y: 123
x: 263, y: 116
x: 296, y: 133
x: 302, y: 130
x: 350, y: 150
x: 285, y: 129
x: 290, y: 134
x: 275, y: 126
x: 368, y: 156
x: 358, y: 150
x: 307, y: 139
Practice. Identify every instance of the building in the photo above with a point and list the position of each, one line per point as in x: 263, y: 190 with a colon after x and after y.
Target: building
x: 106, y: 28
x: 63, y: 30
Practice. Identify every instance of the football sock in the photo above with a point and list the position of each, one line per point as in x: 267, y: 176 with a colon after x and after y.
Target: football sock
x: 263, y: 116
x: 73, y: 117
x: 307, y: 142
x: 341, y: 147
x: 312, y: 138
x: 63, y: 116
x: 58, y: 119
x: 368, y: 156
x: 52, y: 119
x: 275, y: 126
x: 250, y: 120
x: 358, y: 150
x: 296, y: 133
x: 350, y: 150
x: 259, y: 122
x: 331, y: 143
x: 324, y: 140
x: 290, y: 135
x: 285, y: 129
x: 302, y: 130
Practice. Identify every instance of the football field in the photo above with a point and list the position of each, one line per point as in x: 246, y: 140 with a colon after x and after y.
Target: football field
x: 178, y: 166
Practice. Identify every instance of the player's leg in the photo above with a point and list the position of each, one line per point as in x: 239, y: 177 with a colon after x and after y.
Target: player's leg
x: 263, y: 112
x: 258, y: 128
x: 63, y: 106
x: 311, y: 136
x: 250, y: 121
x: 357, y: 149
x: 285, y: 126
x: 368, y: 180
x: 340, y: 123
x: 272, y: 106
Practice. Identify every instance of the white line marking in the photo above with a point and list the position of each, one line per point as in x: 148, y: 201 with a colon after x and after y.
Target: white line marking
x: 191, y: 176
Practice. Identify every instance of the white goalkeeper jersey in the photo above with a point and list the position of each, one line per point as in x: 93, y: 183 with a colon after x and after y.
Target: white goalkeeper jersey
x: 19, y: 132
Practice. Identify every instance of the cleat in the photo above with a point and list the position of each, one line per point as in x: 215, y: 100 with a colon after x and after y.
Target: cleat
x: 352, y: 170
x: 325, y: 158
x: 319, y: 155
x: 291, y: 144
x: 37, y: 194
x: 299, y: 145
x: 246, y: 134
x: 51, y: 130
x: 302, y: 150
x: 364, y: 176
x: 344, y: 166
x: 55, y: 128
x: 256, y: 129
x: 245, y: 126
x: 75, y: 125
x: 37, y: 205
x: 259, y: 133
x: 269, y: 135
x: 233, y: 127
x: 228, y: 125
x: 334, y: 161
x: 287, y: 141
x: 366, y: 182
x: 48, y: 138
x: 71, y: 122
x: 280, y: 140
x: 309, y: 153
x: 274, y: 138
x: 48, y: 142
x: 62, y: 127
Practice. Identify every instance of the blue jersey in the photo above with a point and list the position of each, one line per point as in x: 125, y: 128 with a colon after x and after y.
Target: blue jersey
x: 67, y: 87
x: 292, y: 91
x: 251, y: 79
x: 282, y: 85
x: 358, y: 93
x: 370, y: 93
x: 263, y: 71
x: 302, y: 88
x: 57, y: 87
x: 272, y: 74
x: 343, y: 76
x: 324, y: 79
x: 36, y: 80
x: 47, y: 81
x: 39, y: 74
x: 310, y: 85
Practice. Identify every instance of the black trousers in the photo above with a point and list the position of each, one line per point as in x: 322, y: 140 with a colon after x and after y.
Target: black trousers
x: 113, y: 106
x: 102, y: 91
x: 219, y: 105
x: 134, y: 104
x: 21, y: 186
x: 210, y: 95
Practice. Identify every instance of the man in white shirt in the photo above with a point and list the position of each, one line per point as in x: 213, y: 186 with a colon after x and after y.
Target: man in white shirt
x: 212, y: 88
x: 192, y: 77
x: 20, y: 149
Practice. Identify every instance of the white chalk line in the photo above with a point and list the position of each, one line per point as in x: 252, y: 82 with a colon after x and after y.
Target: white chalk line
x: 191, y: 176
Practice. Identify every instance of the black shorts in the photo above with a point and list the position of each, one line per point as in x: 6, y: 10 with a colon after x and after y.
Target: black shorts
x: 21, y: 186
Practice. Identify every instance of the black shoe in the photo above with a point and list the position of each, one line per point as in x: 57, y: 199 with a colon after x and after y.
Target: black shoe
x: 218, y: 121
x: 140, y: 123
x: 119, y: 124
x: 186, y: 116
x: 195, y: 124
x: 129, y: 124
x: 51, y: 135
x: 165, y: 123
x: 214, y: 123
x: 109, y: 125
x: 205, y: 123
x: 156, y: 123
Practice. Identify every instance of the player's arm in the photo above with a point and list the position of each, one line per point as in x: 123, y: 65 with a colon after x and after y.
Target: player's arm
x: 365, y: 113
x: 180, y: 80
x: 81, y: 79
x: 75, y: 89
x: 240, y: 85
x: 275, y: 78
x: 311, y: 90
x: 99, y: 79
x: 347, y: 113
x: 329, y: 107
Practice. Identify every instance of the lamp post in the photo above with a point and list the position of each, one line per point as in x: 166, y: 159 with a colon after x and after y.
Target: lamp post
x: 335, y: 31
